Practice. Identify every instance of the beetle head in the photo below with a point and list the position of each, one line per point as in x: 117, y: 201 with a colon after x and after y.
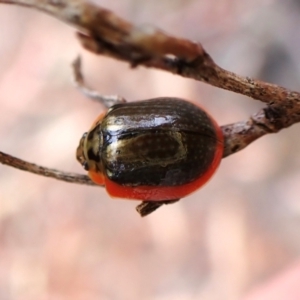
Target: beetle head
x: 89, y: 149
x: 80, y: 153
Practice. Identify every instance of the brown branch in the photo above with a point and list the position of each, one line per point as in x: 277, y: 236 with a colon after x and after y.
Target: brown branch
x: 20, y: 164
x: 200, y: 67
x: 105, y: 33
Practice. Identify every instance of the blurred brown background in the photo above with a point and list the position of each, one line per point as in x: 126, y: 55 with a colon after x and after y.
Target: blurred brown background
x: 237, y: 238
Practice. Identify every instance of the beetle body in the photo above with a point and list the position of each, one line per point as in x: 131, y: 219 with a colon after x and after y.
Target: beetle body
x: 152, y: 150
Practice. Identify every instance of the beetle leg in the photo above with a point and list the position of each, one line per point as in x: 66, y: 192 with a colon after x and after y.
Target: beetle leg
x: 106, y: 100
x: 147, y: 207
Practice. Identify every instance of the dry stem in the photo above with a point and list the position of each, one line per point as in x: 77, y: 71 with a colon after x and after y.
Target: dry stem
x: 20, y: 164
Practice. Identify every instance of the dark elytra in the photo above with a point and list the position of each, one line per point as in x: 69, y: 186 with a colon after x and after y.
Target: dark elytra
x: 158, y: 142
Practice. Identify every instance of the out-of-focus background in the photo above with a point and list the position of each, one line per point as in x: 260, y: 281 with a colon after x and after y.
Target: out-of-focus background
x: 237, y: 238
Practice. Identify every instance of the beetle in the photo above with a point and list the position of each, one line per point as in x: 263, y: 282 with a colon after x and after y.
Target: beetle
x: 158, y: 150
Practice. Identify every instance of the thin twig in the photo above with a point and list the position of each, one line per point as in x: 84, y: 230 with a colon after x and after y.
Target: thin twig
x: 107, y: 100
x: 20, y: 164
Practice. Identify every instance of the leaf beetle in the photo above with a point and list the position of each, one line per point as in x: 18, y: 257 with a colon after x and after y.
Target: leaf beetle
x: 158, y: 150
